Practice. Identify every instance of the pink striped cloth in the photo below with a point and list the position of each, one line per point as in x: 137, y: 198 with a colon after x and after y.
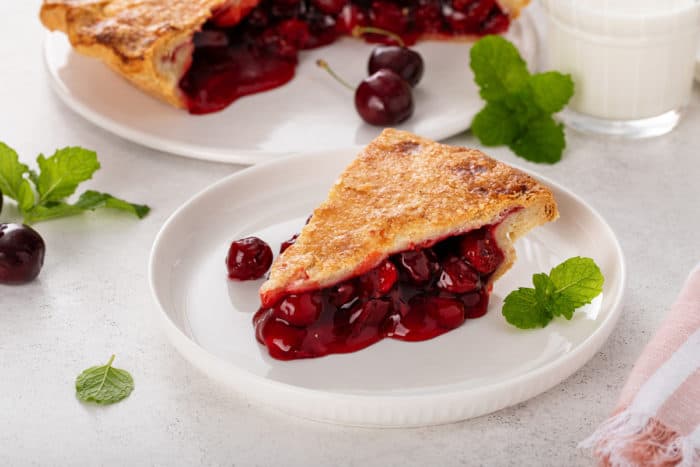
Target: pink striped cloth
x: 657, y: 419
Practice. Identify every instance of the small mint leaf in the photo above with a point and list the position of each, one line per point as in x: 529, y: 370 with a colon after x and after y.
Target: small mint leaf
x: 542, y: 141
x: 522, y: 309
x: 551, y: 90
x: 577, y: 282
x: 498, y: 68
x: 91, y: 200
x: 104, y: 384
x: 62, y: 172
x: 494, y: 126
x: 13, y: 183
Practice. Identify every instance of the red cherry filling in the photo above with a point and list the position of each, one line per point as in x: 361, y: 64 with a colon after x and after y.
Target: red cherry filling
x: 414, y: 295
x: 234, y: 57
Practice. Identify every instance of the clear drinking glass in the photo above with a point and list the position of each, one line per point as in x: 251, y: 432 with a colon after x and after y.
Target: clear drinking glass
x: 632, y: 62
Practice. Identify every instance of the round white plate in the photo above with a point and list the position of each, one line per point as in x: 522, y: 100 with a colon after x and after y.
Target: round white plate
x: 481, y: 367
x: 312, y: 112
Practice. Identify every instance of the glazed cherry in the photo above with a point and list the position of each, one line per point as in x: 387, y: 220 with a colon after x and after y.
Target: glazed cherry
x: 21, y: 254
x: 457, y: 276
x: 403, y: 61
x: 248, y: 259
x: 481, y: 251
x: 331, y: 7
x: 343, y: 294
x: 448, y: 312
x: 299, y: 309
x: 384, y: 98
x: 418, y: 266
x: 379, y: 280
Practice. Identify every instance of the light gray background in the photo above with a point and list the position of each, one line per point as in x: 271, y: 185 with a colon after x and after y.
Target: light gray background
x: 92, y: 299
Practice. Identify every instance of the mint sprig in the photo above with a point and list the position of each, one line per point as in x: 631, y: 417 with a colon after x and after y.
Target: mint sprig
x: 519, y: 105
x: 42, y: 195
x: 104, y: 384
x: 570, y: 285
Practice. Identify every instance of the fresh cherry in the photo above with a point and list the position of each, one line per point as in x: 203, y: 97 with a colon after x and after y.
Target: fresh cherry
x: 21, y: 253
x: 481, y: 251
x: 405, y: 62
x: 384, y: 98
x: 299, y: 309
x: 458, y: 276
x: 248, y: 258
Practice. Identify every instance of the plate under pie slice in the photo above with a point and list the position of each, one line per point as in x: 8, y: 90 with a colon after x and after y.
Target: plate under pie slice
x: 407, y: 246
x: 201, y: 55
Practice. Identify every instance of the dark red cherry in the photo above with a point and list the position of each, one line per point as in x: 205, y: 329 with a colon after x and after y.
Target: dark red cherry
x: 405, y: 62
x: 331, y: 7
x: 299, y: 309
x: 294, y: 31
x: 350, y: 17
x: 389, y: 16
x: 280, y: 338
x: 418, y: 266
x: 379, y: 280
x: 495, y: 24
x: 343, y: 293
x: 457, y: 276
x: 448, y: 312
x: 287, y: 243
x: 475, y: 308
x: 428, y: 16
x: 248, y: 258
x: 210, y: 38
x: 480, y: 249
x: 21, y: 253
x: 384, y: 99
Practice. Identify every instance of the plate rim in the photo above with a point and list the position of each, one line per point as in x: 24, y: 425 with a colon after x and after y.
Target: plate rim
x: 233, y: 156
x: 549, y: 374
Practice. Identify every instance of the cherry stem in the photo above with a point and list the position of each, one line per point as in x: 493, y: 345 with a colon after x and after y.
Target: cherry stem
x: 359, y: 31
x: 323, y: 64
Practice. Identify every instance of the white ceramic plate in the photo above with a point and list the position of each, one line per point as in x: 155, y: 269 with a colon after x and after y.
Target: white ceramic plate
x: 481, y: 367
x: 312, y: 112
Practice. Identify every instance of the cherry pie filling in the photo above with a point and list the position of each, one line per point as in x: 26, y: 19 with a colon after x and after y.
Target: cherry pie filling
x: 232, y: 59
x: 414, y: 295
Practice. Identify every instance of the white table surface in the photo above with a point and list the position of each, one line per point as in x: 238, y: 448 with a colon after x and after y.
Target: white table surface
x: 92, y: 300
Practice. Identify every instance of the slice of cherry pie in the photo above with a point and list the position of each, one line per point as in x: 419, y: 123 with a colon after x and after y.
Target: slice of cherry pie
x: 407, y: 245
x: 204, y: 54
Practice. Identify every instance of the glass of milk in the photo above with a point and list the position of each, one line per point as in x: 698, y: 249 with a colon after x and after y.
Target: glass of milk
x: 632, y: 61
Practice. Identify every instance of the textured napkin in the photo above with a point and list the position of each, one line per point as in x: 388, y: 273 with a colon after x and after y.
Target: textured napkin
x: 657, y: 419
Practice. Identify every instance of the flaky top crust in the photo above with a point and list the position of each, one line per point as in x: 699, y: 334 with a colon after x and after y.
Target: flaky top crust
x: 404, y: 191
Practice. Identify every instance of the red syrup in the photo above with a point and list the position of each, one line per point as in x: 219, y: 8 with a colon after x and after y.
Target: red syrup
x: 412, y: 296
x: 261, y: 52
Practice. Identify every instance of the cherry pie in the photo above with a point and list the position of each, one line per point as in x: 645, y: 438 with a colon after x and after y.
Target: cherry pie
x: 407, y: 245
x: 204, y: 54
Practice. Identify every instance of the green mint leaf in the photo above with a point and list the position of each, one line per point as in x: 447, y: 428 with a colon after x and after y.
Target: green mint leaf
x: 12, y: 178
x: 577, y: 281
x: 62, y: 173
x: 494, y: 125
x: 51, y: 210
x: 104, y: 384
x: 498, y: 68
x: 543, y: 141
x: 551, y: 90
x: 91, y: 200
x: 570, y: 285
x: 88, y: 201
x: 522, y: 309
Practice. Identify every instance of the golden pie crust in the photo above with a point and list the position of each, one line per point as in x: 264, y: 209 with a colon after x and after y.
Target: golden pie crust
x: 404, y: 191
x: 149, y: 42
